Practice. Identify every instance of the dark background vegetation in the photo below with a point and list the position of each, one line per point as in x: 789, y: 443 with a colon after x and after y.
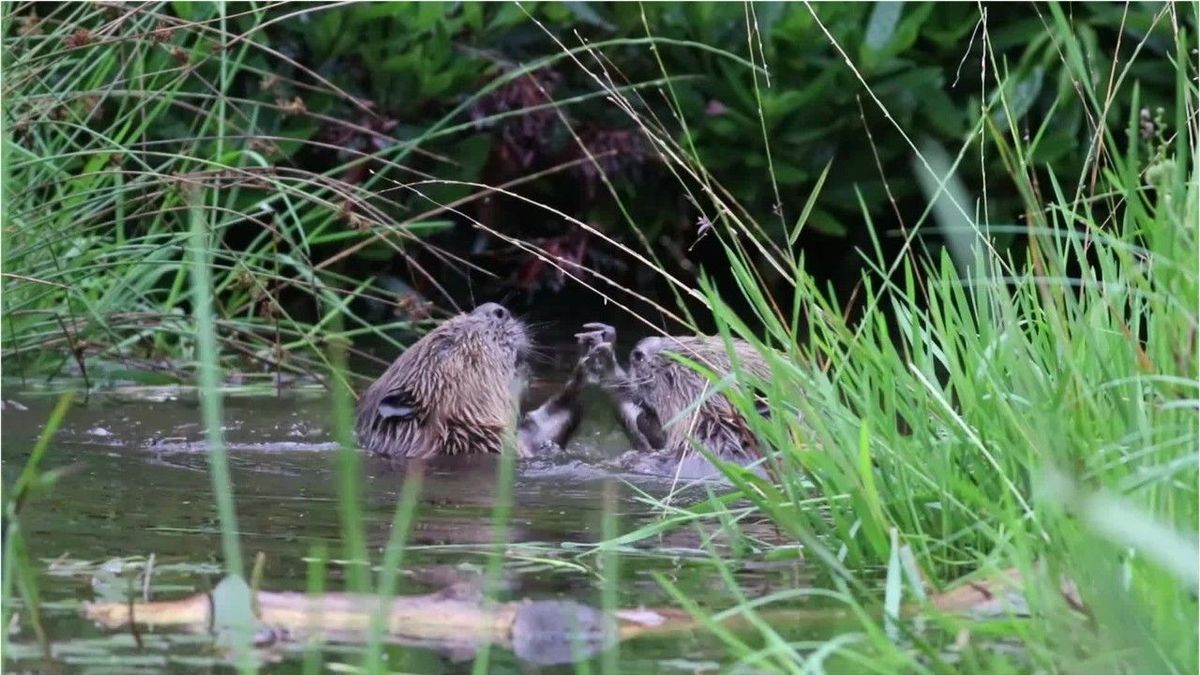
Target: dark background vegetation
x: 382, y: 98
x: 412, y: 64
x: 194, y: 191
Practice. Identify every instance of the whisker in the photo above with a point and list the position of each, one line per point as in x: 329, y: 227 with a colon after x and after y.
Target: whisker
x: 535, y: 326
x: 543, y: 357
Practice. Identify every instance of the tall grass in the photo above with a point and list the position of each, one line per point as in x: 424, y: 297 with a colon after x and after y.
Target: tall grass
x: 1032, y: 410
x: 113, y: 111
x: 985, y: 412
x: 152, y: 227
x: 110, y: 110
x: 18, y: 569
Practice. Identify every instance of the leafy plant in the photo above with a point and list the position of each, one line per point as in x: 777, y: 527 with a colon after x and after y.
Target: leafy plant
x: 120, y: 120
x: 1026, y: 413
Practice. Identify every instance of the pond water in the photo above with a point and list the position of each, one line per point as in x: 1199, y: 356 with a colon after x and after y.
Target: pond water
x: 137, y: 486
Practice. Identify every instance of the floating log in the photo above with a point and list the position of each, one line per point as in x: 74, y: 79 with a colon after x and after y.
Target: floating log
x: 459, y: 618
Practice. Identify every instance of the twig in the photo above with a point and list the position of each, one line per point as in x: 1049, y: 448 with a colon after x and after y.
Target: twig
x: 77, y: 352
x: 146, y: 578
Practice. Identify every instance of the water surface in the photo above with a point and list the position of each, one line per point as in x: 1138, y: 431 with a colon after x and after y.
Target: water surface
x: 138, y: 485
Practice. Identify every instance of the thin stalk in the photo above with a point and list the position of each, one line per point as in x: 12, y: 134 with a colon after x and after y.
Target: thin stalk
x: 314, y: 587
x: 209, y: 371
x: 349, y: 472
x: 393, y: 559
x: 501, y: 514
x: 610, y: 563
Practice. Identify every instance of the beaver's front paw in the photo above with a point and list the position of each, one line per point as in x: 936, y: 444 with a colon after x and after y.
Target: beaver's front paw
x: 594, y: 334
x: 600, y: 364
x: 598, y: 361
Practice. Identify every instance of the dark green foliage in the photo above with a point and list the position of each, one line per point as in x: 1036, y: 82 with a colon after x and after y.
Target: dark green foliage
x: 992, y: 410
x: 348, y: 121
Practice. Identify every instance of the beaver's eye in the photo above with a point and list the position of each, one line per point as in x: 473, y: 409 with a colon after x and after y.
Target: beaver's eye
x: 637, y: 355
x: 500, y: 313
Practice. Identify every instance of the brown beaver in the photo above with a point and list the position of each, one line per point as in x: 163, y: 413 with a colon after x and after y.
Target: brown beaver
x: 457, y: 390
x: 664, y: 404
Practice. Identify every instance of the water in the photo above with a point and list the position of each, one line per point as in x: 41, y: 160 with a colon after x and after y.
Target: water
x: 136, y: 485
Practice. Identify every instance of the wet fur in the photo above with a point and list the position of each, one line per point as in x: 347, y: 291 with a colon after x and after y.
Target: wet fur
x: 454, y: 391
x: 668, y: 388
x: 654, y: 399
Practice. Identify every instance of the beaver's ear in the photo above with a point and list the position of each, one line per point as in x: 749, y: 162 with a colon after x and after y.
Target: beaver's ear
x: 439, y: 343
x: 399, y: 405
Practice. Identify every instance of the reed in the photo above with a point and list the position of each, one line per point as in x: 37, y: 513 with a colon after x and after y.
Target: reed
x: 991, y: 409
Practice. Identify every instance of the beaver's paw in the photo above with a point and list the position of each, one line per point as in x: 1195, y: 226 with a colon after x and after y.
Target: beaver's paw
x: 600, y: 363
x: 594, y: 333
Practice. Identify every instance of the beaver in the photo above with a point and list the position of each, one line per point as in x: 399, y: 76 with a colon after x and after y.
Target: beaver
x: 457, y: 390
x: 666, y: 405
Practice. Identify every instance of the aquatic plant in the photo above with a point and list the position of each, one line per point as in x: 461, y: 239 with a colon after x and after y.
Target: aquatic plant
x: 979, y: 415
x: 114, y: 116
x: 987, y: 413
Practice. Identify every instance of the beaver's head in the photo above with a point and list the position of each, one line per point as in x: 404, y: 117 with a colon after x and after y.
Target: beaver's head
x: 488, y: 336
x: 651, y: 362
x: 454, y: 390
x: 671, y: 389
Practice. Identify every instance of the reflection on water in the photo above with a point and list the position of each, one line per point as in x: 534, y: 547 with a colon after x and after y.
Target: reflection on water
x: 138, y: 485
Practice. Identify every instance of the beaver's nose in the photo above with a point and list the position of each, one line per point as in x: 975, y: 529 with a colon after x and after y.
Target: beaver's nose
x: 492, y: 309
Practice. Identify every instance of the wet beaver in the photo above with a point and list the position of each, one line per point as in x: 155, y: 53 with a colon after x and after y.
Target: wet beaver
x: 657, y: 397
x: 457, y: 390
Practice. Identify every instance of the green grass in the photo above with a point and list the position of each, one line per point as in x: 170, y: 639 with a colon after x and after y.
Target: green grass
x: 108, y: 123
x: 990, y: 409
x: 105, y: 139
x: 18, y: 568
